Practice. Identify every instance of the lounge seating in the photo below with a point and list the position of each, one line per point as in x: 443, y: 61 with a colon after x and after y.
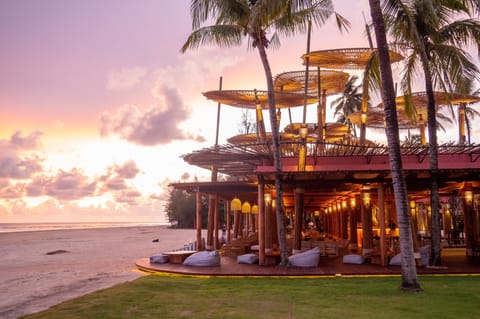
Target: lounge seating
x: 396, y: 260
x: 309, y: 258
x: 247, y: 259
x: 203, y: 259
x: 425, y: 255
x: 159, y: 259
x: 353, y: 259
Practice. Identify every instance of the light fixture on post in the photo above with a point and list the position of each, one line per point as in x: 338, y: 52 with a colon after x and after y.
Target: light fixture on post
x: 246, y: 208
x: 255, y: 209
x: 366, y: 195
x: 268, y: 198
x: 353, y: 202
x: 236, y: 204
x: 344, y: 203
x: 413, y: 206
x: 468, y: 193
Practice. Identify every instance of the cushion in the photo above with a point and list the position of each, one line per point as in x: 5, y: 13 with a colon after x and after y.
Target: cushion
x: 309, y: 258
x: 247, y: 259
x: 203, y: 259
x: 396, y: 260
x: 353, y: 259
x: 159, y: 259
x: 425, y: 255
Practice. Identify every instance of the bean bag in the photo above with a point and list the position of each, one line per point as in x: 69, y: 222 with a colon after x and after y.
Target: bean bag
x: 425, y: 255
x: 247, y: 259
x: 309, y: 258
x: 396, y: 260
x: 159, y: 259
x: 203, y: 259
x: 353, y: 259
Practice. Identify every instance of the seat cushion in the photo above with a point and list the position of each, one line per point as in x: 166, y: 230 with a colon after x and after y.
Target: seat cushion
x: 247, y: 259
x: 396, y: 260
x: 353, y: 259
x: 203, y: 259
x: 309, y: 258
x: 159, y: 259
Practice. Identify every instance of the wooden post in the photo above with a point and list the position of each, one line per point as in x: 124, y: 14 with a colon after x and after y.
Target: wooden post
x: 381, y: 221
x: 297, y: 234
x: 261, y: 223
x: 199, y: 220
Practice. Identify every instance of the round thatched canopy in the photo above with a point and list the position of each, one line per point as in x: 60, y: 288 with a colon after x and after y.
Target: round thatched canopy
x: 376, y: 119
x: 420, y: 100
x: 332, y: 82
x: 250, y: 98
x: 348, y: 58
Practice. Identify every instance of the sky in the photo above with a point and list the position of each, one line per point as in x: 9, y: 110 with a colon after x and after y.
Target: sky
x: 97, y: 104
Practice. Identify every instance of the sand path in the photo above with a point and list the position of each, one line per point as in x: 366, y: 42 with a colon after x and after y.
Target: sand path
x: 80, y: 261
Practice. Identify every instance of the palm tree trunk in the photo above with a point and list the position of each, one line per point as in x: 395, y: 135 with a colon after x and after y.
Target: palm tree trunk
x: 433, y: 149
x: 409, y: 272
x: 277, y: 160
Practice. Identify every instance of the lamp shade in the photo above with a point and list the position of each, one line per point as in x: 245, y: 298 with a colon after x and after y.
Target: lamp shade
x: 255, y: 209
x: 246, y: 208
x: 236, y: 204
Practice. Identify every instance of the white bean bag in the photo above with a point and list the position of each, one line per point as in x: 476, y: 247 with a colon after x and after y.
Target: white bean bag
x: 309, y: 258
x: 396, y: 260
x: 203, y: 259
x: 353, y: 259
x: 247, y: 259
x: 159, y: 259
x: 425, y: 255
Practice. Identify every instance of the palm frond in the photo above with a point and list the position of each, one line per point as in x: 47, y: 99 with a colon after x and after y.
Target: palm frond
x: 221, y: 35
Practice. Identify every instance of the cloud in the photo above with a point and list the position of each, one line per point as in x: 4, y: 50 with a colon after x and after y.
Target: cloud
x: 125, y: 78
x: 128, y: 170
x: 27, y: 143
x: 155, y: 126
x: 15, y: 161
x: 72, y: 185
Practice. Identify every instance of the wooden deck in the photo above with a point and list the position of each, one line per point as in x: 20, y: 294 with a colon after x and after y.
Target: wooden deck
x: 453, y: 259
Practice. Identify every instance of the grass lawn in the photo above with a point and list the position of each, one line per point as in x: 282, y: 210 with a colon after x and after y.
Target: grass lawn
x: 158, y: 296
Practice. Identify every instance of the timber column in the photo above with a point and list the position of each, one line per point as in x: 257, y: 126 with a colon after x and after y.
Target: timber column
x: 297, y: 234
x: 367, y: 236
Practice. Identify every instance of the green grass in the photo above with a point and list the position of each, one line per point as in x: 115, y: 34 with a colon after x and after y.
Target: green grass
x: 158, y: 296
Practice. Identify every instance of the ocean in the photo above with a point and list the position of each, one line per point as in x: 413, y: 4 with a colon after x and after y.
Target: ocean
x: 24, y: 227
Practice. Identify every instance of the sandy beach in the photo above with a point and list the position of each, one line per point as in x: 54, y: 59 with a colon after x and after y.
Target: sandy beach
x: 43, y: 268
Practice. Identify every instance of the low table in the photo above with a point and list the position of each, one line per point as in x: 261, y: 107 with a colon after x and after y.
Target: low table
x: 177, y: 257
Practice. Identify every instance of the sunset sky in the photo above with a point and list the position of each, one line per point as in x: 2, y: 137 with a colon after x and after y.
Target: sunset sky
x: 97, y: 104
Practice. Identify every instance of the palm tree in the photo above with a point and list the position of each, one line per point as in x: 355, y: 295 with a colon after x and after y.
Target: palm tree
x: 254, y: 19
x: 350, y: 101
x: 409, y: 271
x: 432, y: 35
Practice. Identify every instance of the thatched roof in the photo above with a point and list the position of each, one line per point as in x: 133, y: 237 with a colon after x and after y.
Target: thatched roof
x: 250, y: 98
x: 348, y: 58
x: 332, y: 82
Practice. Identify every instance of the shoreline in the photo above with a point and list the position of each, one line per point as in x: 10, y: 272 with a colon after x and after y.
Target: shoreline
x: 40, y: 269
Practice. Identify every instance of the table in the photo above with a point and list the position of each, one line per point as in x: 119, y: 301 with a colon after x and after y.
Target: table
x: 177, y: 257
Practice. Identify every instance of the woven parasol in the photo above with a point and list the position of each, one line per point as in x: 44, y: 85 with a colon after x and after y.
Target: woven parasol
x: 349, y: 58
x: 420, y: 100
x: 250, y: 98
x: 332, y: 82
x: 376, y: 119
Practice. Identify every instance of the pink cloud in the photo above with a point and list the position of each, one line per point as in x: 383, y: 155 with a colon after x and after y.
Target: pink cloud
x: 155, y: 126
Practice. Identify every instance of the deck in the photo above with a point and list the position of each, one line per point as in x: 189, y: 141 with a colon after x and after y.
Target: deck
x: 454, y: 262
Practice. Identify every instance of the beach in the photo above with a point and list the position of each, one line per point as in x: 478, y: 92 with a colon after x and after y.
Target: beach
x: 40, y: 269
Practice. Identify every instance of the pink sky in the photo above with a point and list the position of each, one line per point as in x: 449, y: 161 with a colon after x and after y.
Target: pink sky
x: 97, y: 104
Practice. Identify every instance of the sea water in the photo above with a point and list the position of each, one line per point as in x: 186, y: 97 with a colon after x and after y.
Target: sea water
x: 23, y: 227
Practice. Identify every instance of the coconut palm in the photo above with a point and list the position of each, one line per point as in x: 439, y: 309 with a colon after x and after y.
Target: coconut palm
x: 432, y: 35
x: 409, y: 272
x: 350, y: 101
x: 256, y: 20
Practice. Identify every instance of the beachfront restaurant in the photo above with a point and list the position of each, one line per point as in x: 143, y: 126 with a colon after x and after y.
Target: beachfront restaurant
x: 336, y: 184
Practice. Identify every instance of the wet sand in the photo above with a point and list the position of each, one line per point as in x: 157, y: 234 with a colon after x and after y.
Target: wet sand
x: 41, y: 269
